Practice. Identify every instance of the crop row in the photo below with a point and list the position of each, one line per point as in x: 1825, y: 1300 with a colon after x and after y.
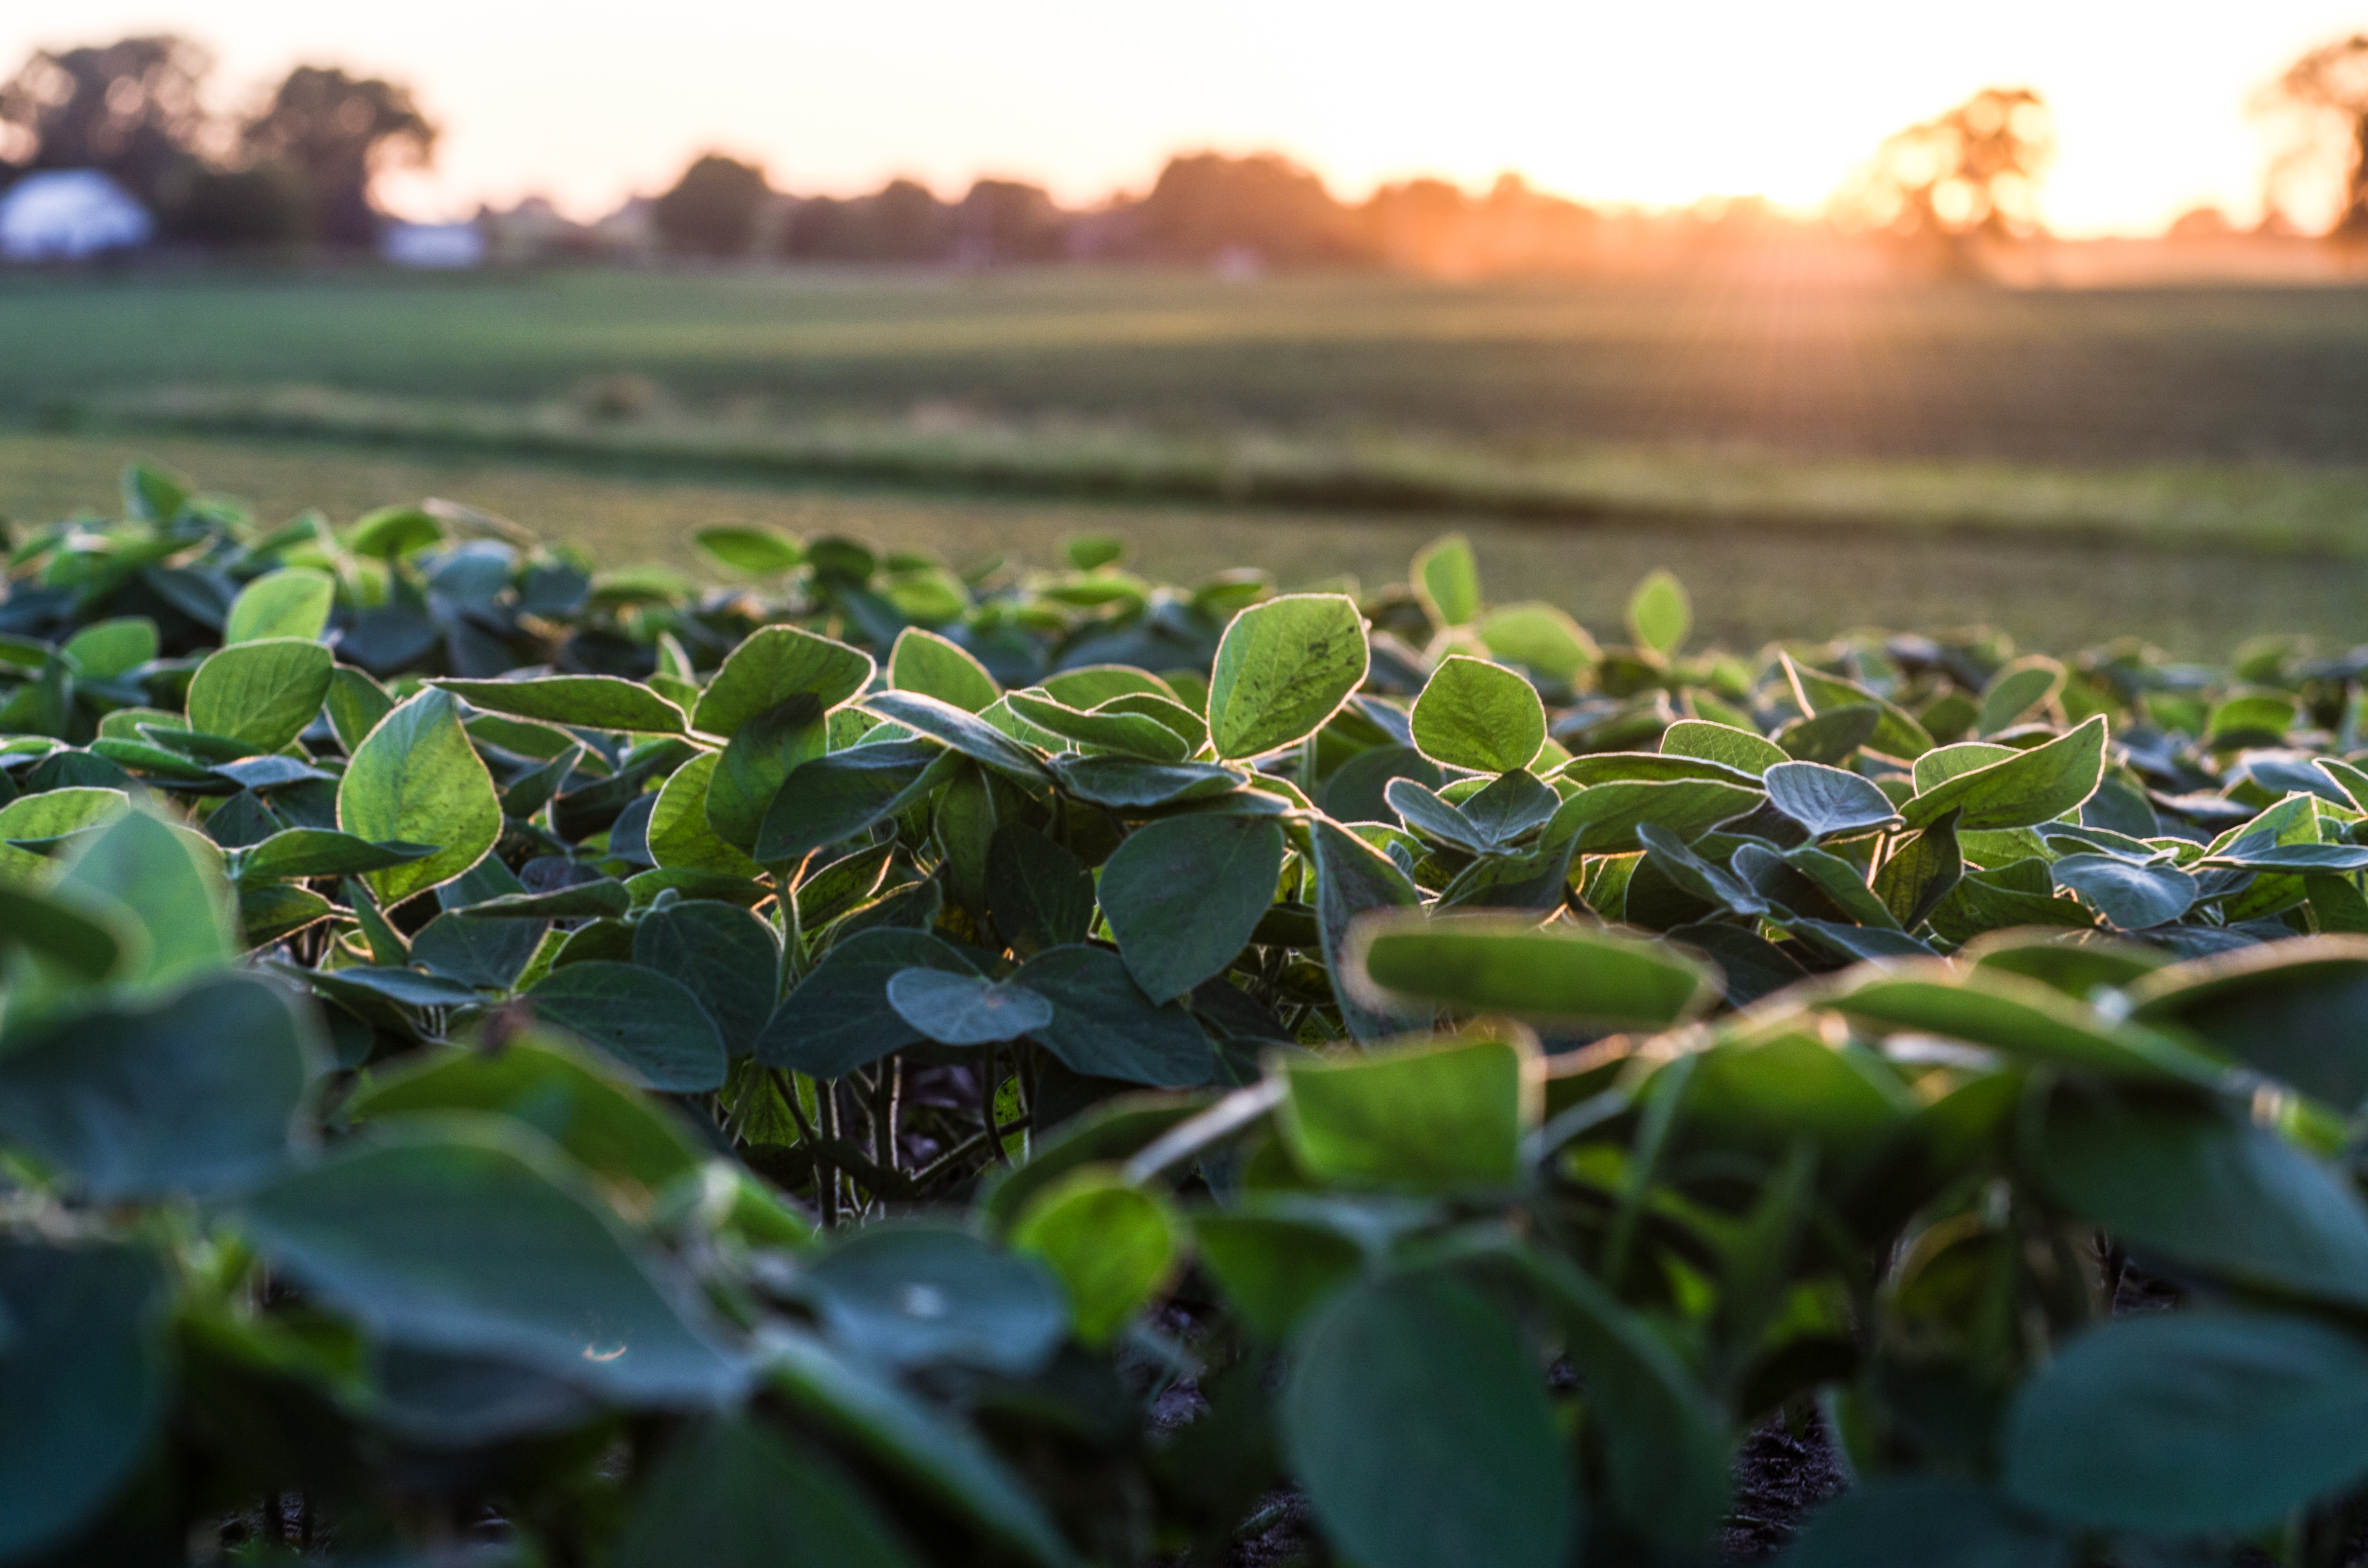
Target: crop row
x: 882, y: 1067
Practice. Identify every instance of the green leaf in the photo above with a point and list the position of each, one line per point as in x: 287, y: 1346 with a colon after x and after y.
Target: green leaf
x: 836, y: 798
x: 106, y: 649
x: 1602, y: 819
x: 1283, y: 669
x: 621, y: 1136
x: 644, y: 1019
x: 1895, y: 733
x: 1353, y: 877
x: 1499, y: 964
x: 392, y: 531
x: 722, y: 955
x: 192, y: 1093
x: 2201, y: 1187
x: 2132, y: 896
x: 1111, y: 1246
x: 417, y: 780
x: 1783, y: 1085
x: 355, y: 704
x: 263, y: 692
x: 928, y: 1451
x: 1659, y: 614
x: 936, y: 666
x: 1421, y: 1119
x: 760, y: 552
x: 87, y: 942
x: 2025, y: 1018
x: 1090, y: 552
x: 590, y: 702
x: 1936, y: 1521
x: 604, y: 898
x: 472, y: 1235
x: 1828, y: 800
x: 151, y: 495
x: 1124, y: 784
x: 966, y: 734
x: 85, y: 1377
x: 2298, y: 1011
x: 1040, y: 894
x: 1447, y: 579
x: 292, y: 602
x: 1103, y: 1026
x: 1420, y: 1428
x: 921, y: 1294
x: 2251, y: 718
x: 1919, y: 874
x: 1131, y: 735
x: 298, y: 852
x: 679, y: 836
x: 2023, y: 791
x: 1539, y: 639
x: 839, y: 1017
x: 777, y: 665
x: 1743, y: 749
x: 1274, y: 1259
x: 1480, y: 716
x: 965, y: 1009
x: 1183, y: 895
x: 170, y: 881
x: 2182, y: 1423
x: 751, y: 1500
x: 2015, y: 690
x: 759, y: 758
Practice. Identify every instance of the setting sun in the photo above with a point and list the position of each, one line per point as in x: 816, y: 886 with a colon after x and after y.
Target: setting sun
x: 1659, y: 106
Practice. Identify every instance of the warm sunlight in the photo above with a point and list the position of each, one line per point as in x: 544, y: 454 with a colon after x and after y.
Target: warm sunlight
x: 1658, y: 105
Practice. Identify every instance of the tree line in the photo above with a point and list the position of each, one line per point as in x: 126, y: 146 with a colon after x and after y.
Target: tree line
x: 298, y: 167
x: 295, y: 169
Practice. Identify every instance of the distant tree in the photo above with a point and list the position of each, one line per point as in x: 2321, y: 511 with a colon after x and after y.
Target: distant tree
x: 1206, y: 203
x: 262, y: 206
x: 340, y: 132
x: 902, y: 221
x: 1005, y: 220
x: 713, y: 209
x: 130, y: 109
x: 2327, y: 93
x: 1967, y: 176
x: 906, y: 221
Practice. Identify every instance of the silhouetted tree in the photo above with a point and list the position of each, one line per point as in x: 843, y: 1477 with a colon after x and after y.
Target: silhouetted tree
x: 2330, y: 87
x: 906, y: 221
x: 340, y: 132
x: 1206, y: 203
x: 1972, y: 174
x: 902, y: 221
x: 265, y: 205
x: 713, y: 209
x: 130, y: 109
x: 1004, y: 221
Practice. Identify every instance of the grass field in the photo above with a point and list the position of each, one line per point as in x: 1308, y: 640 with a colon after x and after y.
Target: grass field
x: 2189, y: 464
x: 1912, y: 371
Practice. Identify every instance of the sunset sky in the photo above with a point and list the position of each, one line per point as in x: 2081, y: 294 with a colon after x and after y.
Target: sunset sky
x: 1655, y: 104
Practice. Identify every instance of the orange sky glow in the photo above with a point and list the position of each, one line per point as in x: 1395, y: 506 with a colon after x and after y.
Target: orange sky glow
x: 1650, y: 105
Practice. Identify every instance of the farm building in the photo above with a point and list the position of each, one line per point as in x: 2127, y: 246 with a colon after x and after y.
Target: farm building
x: 68, y: 214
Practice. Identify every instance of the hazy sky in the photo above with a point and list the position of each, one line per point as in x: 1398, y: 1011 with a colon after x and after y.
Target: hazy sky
x: 1634, y: 101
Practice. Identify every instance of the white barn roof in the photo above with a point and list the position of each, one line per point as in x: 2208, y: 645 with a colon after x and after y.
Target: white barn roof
x: 65, y: 214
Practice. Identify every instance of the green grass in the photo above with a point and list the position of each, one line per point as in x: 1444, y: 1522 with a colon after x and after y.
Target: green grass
x: 1749, y: 584
x: 2236, y: 414
x: 1912, y: 371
